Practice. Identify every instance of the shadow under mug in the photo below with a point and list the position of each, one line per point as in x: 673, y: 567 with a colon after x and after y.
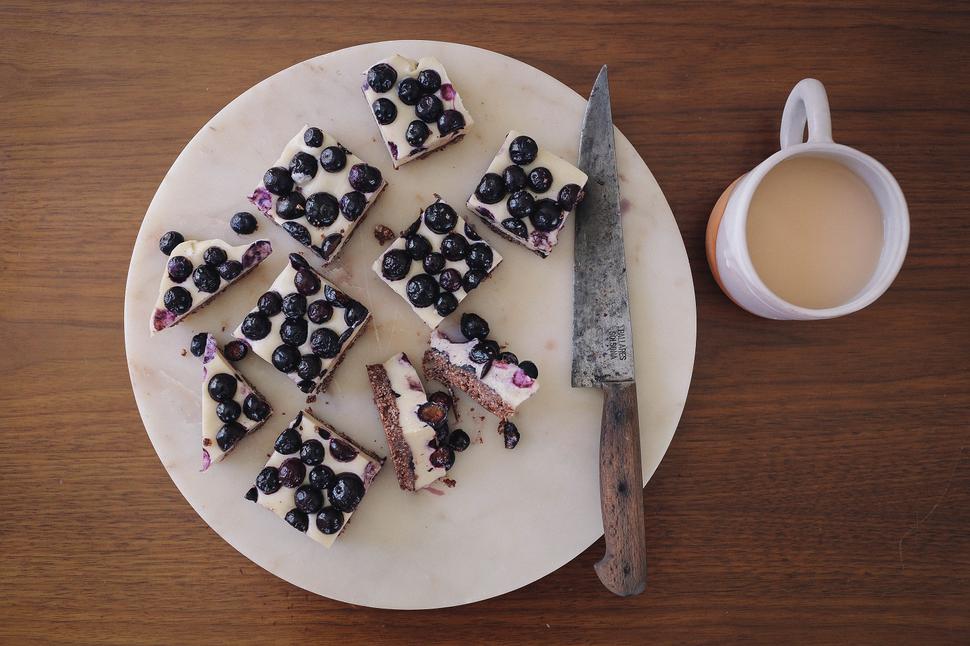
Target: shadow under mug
x: 727, y: 244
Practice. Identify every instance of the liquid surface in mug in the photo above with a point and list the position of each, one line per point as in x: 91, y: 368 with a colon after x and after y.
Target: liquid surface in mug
x: 814, y: 232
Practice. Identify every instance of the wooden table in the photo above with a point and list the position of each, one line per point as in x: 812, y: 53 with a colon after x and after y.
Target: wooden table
x: 818, y: 489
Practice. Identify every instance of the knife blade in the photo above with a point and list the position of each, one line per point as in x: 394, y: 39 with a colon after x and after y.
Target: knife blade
x: 603, y: 348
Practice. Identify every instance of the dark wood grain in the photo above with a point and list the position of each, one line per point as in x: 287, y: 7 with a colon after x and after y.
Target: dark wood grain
x: 623, y: 568
x: 818, y: 488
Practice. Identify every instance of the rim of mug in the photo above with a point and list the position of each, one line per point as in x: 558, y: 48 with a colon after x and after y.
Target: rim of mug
x: 887, y: 268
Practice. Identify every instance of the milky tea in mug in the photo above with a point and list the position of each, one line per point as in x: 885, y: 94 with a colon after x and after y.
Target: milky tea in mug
x: 815, y: 231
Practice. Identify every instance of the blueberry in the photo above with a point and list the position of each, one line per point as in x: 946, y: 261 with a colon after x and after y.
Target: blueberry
x: 336, y: 297
x: 303, y: 167
x: 540, y: 179
x: 523, y: 150
x: 450, y: 121
x: 514, y: 177
x: 325, y: 343
x: 222, y: 387
x: 306, y: 385
x: 321, y: 209
x: 309, y: 367
x: 516, y: 227
x: 569, y: 196
x: 479, y: 256
x: 206, y: 279
x: 520, y: 204
x: 286, y: 358
x: 429, y: 108
x: 252, y: 495
x: 472, y: 279
x: 491, y: 188
x: 330, y: 245
x: 429, y: 80
x: 484, y: 351
x: 511, y: 434
x: 364, y: 178
x: 417, y: 133
x: 319, y: 311
x: 459, y: 440
x: 179, y: 268
x: 306, y: 281
x: 433, y: 263
x: 313, y: 137
x: 293, y: 332
x: 507, y: 357
x: 312, y: 453
x: 243, y: 223
x: 308, y: 499
x: 294, y: 305
x: 214, y: 256
x: 395, y: 264
x: 270, y: 303
x: 291, y: 473
x: 321, y: 477
x: 330, y: 520
x: 381, y: 77
x: 288, y: 442
x: 441, y: 398
x: 422, y: 290
x: 268, y: 480
x: 470, y: 232
x: 409, y: 91
x: 440, y: 217
x: 450, y: 280
x: 441, y: 432
x: 445, y: 304
x: 278, y: 181
x: 432, y: 413
x: 228, y: 411
x: 530, y: 369
x: 384, y: 110
x: 236, y: 350
x: 443, y: 458
x: 197, y: 346
x: 256, y: 408
x: 417, y: 246
x: 298, y: 232
x: 352, y: 205
x: 170, y: 240
x: 229, y: 434
x: 355, y: 314
x: 256, y: 326
x: 333, y: 159
x: 346, y: 492
x: 298, y: 519
x: 547, y: 216
x: 297, y: 261
x: 230, y: 269
x: 177, y: 300
x: 342, y: 451
x: 291, y: 206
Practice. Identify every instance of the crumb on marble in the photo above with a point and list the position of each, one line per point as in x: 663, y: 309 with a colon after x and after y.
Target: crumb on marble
x: 449, y: 482
x: 383, y: 234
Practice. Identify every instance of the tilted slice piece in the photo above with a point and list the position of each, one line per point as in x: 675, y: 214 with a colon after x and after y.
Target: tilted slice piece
x: 197, y: 271
x: 231, y: 407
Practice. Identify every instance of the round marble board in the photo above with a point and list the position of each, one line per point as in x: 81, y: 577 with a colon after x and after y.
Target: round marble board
x: 512, y: 516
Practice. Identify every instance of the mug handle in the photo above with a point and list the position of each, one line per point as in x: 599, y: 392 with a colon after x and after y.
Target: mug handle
x: 807, y: 103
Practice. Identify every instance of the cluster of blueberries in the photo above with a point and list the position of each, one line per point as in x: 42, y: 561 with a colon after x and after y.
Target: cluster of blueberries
x: 207, y: 277
x: 446, y: 442
x: 419, y: 92
x: 435, y: 286
x: 313, y: 482
x: 523, y: 191
x: 222, y: 389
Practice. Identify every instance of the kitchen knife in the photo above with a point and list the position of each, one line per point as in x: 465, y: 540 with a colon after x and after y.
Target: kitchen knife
x: 603, y: 348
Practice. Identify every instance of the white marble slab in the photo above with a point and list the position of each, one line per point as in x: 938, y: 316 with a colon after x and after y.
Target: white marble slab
x: 514, y: 516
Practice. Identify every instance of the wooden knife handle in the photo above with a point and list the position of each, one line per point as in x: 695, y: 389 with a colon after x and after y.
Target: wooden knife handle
x: 623, y: 569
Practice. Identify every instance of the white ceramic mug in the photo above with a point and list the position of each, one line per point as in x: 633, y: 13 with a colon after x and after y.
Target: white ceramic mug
x: 727, y: 245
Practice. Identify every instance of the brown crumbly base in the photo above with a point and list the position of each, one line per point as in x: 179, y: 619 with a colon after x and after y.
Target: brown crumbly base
x: 494, y: 226
x: 386, y: 404
x: 325, y: 382
x: 432, y: 151
x: 436, y: 366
